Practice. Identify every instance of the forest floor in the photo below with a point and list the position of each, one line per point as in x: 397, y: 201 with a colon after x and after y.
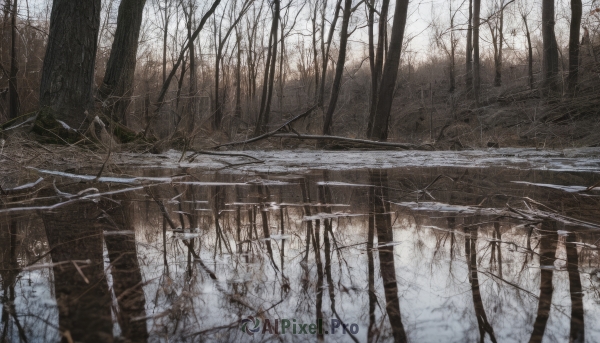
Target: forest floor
x: 23, y: 161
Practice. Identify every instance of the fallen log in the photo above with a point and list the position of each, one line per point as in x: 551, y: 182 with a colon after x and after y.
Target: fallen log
x: 351, y: 140
x: 268, y: 134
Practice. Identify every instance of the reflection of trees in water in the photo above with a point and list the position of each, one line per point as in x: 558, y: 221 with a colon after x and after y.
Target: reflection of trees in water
x: 340, y: 254
x: 547, y: 253
x: 577, y: 332
x: 471, y: 232
x: 385, y: 234
x: 81, y: 291
x: 125, y: 270
x: 9, y: 272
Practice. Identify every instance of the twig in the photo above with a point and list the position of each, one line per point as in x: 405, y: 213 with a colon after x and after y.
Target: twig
x: 80, y: 272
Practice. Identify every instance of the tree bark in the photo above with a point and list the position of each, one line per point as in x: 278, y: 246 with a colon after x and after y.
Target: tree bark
x: 238, y: 76
x: 476, y: 64
x: 389, y: 75
x: 68, y: 70
x: 339, y: 69
x: 13, y: 93
x: 378, y: 63
x: 469, y: 51
x: 262, y: 122
x: 315, y: 50
x: 117, y: 86
x: 325, y: 48
x: 218, y: 115
x: 452, y: 71
x: 165, y: 34
x: 529, y: 53
x: 193, y: 101
x: 499, y: 39
x: 550, y: 66
x: 576, y: 11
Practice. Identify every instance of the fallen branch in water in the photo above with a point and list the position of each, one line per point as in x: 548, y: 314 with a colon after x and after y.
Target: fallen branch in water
x: 351, y: 140
x: 204, y: 152
x: 268, y: 134
x: 21, y: 189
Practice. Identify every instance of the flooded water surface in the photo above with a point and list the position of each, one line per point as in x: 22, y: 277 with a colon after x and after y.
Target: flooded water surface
x: 410, y: 254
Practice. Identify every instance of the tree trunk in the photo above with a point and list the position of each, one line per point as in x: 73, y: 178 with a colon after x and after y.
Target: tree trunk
x: 193, y: 101
x: 550, y: 67
x: 262, y: 122
x: 267, y: 112
x: 165, y: 33
x: 378, y: 64
x: 576, y: 11
x: 68, y: 70
x: 498, y: 57
x: 13, y: 95
x: 476, y: 66
x: 529, y: 53
x: 238, y: 76
x: 325, y: 48
x: 315, y: 51
x: 339, y: 69
x: 117, y: 86
x: 218, y: 115
x: 281, y: 70
x: 469, y: 52
x: 263, y: 97
x: 452, y: 71
x: 390, y: 72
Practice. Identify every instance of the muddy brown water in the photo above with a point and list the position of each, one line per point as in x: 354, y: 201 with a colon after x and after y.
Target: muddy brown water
x: 439, y: 254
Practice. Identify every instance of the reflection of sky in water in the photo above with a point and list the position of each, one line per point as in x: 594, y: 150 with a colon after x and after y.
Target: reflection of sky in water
x: 436, y: 299
x: 35, y: 307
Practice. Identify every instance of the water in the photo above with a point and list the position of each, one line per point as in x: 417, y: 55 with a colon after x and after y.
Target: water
x: 423, y: 254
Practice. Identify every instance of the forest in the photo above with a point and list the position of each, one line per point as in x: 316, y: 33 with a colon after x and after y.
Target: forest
x: 186, y: 75
x: 299, y: 171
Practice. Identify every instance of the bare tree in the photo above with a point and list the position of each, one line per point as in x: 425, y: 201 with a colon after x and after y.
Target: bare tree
x: 189, y: 10
x: 117, y: 86
x: 476, y: 60
x: 376, y: 58
x: 315, y: 49
x: 448, y: 48
x: 339, y: 68
x: 496, y: 25
x: 262, y: 121
x: 390, y: 72
x: 469, y: 51
x: 550, y: 66
x: 325, y: 46
x: 13, y: 94
x: 67, y: 78
x: 576, y: 11
x: 524, y: 15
